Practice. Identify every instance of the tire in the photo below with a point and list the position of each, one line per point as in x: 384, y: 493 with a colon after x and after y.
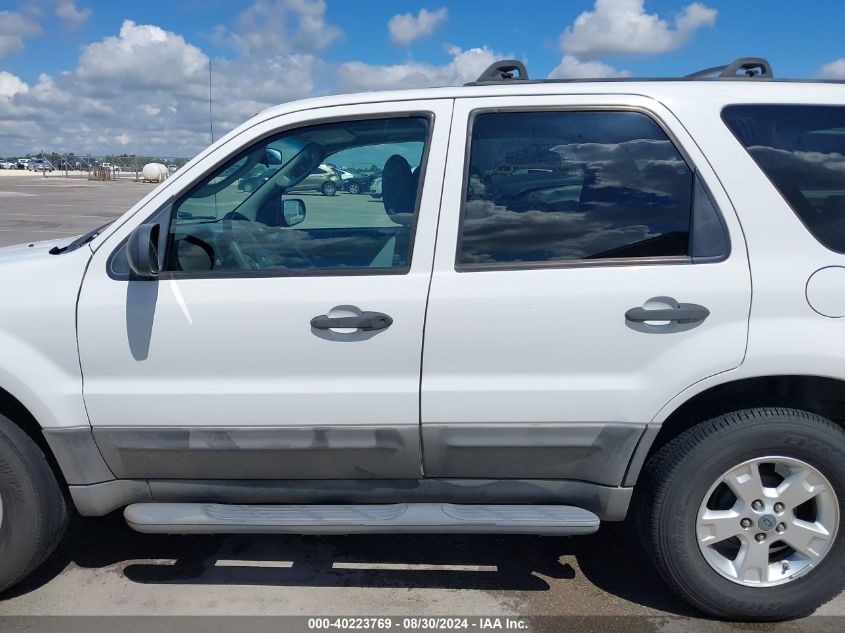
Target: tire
x: 681, y: 474
x: 34, y: 512
x: 354, y: 187
x: 328, y: 189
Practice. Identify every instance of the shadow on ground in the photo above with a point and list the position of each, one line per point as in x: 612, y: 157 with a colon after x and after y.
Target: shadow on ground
x: 612, y: 560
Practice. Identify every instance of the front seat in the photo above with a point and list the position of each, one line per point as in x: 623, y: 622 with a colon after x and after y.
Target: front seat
x: 399, y: 196
x: 399, y: 190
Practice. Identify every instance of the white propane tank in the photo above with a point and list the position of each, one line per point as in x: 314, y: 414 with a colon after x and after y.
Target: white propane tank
x: 154, y: 172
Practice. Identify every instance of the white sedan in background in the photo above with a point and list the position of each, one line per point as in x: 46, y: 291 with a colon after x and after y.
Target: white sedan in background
x: 375, y: 188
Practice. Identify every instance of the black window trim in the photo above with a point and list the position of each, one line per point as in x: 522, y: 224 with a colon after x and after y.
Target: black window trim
x: 707, y: 259
x: 165, y: 275
x: 760, y: 167
x: 583, y: 263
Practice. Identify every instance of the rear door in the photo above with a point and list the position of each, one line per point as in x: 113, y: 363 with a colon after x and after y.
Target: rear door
x: 564, y: 222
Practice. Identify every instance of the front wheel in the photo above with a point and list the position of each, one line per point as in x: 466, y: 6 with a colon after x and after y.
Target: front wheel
x: 33, y: 513
x: 329, y: 189
x: 354, y: 187
x: 742, y: 514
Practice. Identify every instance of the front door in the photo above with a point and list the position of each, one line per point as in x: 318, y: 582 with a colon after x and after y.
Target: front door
x: 273, y: 346
x: 589, y: 268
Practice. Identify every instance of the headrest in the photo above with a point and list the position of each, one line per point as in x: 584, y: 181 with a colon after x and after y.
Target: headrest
x: 399, y: 189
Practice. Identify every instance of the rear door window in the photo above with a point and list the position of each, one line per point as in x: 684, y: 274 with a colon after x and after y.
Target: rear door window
x: 801, y: 148
x: 551, y: 187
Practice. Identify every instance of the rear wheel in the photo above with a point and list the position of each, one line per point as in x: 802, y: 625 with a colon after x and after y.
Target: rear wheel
x: 329, y: 189
x: 742, y: 514
x: 354, y: 187
x: 33, y: 513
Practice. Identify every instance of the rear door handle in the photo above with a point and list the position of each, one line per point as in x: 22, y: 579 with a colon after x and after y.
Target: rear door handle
x: 683, y: 313
x: 366, y: 321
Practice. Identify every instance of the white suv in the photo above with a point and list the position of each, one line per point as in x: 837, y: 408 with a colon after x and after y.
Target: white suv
x: 588, y: 297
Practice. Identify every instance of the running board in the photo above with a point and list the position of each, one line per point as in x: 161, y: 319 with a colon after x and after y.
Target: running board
x: 204, y: 518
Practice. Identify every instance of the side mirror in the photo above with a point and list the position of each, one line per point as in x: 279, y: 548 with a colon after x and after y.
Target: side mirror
x: 142, y: 252
x: 293, y: 211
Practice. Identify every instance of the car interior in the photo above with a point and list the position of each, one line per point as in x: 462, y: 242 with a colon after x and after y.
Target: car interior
x: 257, y: 232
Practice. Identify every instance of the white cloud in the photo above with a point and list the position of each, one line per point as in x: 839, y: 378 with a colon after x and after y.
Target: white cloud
x: 144, y: 56
x: 145, y: 89
x: 833, y: 70
x: 404, y: 28
x: 10, y: 85
x: 14, y: 28
x: 623, y: 26
x: 68, y: 13
x: 571, y: 67
x: 269, y: 27
x: 465, y: 66
x: 241, y: 88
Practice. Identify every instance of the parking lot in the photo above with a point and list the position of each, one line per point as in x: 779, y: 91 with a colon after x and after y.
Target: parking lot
x: 104, y: 568
x: 34, y: 208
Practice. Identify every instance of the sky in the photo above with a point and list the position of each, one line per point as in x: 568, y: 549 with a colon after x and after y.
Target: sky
x: 94, y: 76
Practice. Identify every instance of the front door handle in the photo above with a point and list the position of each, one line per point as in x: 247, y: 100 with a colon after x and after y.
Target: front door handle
x: 366, y: 321
x: 683, y: 313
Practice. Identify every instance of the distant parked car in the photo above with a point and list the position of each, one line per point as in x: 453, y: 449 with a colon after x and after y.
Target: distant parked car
x: 355, y: 183
x: 375, y: 188
x: 323, y: 179
x: 22, y: 163
x: 39, y: 165
x: 5, y: 164
x: 256, y: 177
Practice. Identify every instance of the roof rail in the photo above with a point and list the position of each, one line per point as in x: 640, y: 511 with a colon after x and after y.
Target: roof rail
x: 507, y: 71
x: 501, y: 71
x: 751, y: 67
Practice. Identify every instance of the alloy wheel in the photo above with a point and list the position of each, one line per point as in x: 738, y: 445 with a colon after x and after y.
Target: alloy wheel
x: 767, y: 521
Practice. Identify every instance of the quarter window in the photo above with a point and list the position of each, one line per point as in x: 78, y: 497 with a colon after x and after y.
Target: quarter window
x: 558, y: 186
x: 801, y: 148
x: 287, y: 205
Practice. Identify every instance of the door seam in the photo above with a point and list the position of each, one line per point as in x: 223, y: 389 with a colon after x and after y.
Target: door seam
x: 428, y: 291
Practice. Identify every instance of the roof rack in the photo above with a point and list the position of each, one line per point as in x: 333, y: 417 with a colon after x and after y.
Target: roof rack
x: 744, y: 68
x: 501, y: 71
x: 751, y: 68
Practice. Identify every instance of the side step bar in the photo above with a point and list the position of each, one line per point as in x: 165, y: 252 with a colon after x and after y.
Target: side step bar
x: 204, y: 518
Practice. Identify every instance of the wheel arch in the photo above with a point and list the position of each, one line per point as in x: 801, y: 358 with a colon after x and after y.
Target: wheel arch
x: 822, y: 395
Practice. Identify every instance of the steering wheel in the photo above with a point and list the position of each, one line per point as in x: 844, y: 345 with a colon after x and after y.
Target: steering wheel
x: 244, y: 261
